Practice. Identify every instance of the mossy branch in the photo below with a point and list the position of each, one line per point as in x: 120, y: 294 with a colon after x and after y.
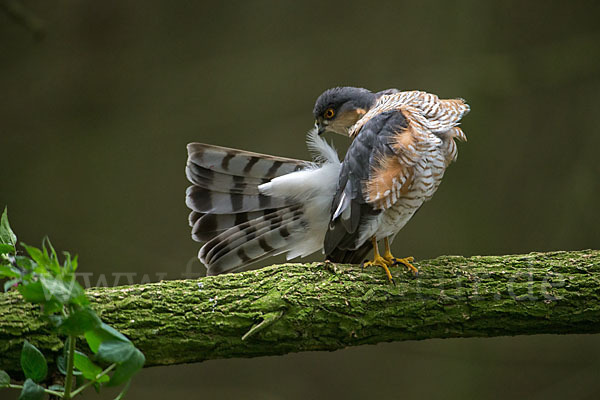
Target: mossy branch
x: 328, y: 307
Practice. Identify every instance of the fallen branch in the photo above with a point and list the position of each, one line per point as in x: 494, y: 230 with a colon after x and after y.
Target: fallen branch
x: 299, y: 307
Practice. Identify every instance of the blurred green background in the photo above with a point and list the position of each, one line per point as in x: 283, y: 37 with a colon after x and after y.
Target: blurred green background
x: 95, y: 117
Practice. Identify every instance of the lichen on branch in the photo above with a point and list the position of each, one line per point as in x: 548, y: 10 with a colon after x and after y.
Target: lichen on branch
x: 298, y: 307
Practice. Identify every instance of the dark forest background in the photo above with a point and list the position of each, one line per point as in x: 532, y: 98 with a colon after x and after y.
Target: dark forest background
x: 94, y: 119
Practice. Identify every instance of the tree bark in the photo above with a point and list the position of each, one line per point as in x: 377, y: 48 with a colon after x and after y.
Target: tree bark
x: 299, y: 307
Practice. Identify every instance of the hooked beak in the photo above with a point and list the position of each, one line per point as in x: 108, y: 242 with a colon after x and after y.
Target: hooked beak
x: 321, y: 128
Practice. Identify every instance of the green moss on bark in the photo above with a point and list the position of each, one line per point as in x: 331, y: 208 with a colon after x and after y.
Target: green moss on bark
x: 326, y: 307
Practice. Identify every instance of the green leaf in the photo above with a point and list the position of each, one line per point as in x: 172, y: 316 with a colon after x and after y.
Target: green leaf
x: 6, y: 248
x: 52, y: 306
x: 8, y: 271
x: 7, y: 236
x: 25, y: 262
x: 61, y: 363
x: 33, y: 362
x: 79, y: 379
x: 33, y: 292
x: 103, y: 333
x: 71, y: 263
x: 56, y: 320
x: 46, y: 244
x: 4, y: 379
x: 10, y: 283
x: 127, y: 369
x: 78, y: 296
x: 56, y: 288
x: 54, y: 265
x: 115, y: 351
x: 69, y: 292
x: 38, y: 256
x: 31, y: 391
x: 80, y: 321
x: 88, y: 368
x: 57, y: 388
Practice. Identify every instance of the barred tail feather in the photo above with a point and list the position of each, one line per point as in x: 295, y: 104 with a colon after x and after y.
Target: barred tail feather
x: 268, y: 242
x: 207, y: 226
x: 249, y: 206
x: 229, y: 211
x: 242, y: 163
x: 249, y: 234
x: 222, y: 268
x: 216, y: 181
x: 193, y: 217
x: 205, y: 201
x: 225, y: 181
x: 239, y: 234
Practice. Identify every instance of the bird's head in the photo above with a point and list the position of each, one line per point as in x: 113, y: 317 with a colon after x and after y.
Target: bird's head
x: 337, y: 109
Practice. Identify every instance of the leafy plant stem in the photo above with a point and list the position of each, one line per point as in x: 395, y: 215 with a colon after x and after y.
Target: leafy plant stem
x: 70, y: 358
x: 90, y: 383
x: 49, y: 391
x: 43, y: 280
x: 120, y: 396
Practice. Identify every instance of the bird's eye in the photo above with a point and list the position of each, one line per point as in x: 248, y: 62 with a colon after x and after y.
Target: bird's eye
x: 329, y: 113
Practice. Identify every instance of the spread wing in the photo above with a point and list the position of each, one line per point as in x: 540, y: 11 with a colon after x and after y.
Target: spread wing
x: 370, y: 158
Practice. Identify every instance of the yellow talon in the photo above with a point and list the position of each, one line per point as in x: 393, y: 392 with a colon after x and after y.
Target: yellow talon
x: 387, y: 260
x: 391, y: 260
x: 379, y: 261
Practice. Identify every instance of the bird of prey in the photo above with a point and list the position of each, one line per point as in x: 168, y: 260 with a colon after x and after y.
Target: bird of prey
x: 249, y: 206
x: 400, y: 150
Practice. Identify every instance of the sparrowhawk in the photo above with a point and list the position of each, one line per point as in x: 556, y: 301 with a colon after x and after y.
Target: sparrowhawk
x: 249, y: 206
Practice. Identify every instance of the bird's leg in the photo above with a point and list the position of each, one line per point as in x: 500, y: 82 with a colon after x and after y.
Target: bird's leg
x: 379, y: 261
x: 391, y: 260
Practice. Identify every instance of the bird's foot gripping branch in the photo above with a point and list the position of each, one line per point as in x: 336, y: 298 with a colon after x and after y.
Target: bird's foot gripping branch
x: 41, y: 279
